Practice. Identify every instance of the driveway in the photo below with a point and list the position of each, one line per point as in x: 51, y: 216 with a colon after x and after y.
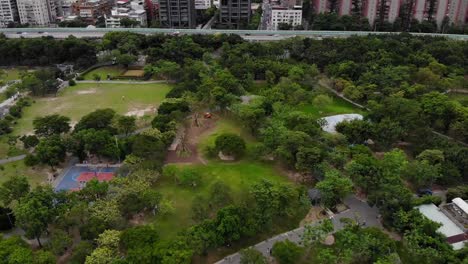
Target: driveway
x: 358, y: 210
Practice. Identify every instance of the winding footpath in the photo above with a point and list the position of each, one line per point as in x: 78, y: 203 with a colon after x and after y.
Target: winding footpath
x: 358, y: 210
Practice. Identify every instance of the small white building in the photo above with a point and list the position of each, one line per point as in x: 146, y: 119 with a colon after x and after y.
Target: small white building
x: 330, y: 122
x: 284, y: 11
x: 450, y: 227
x: 287, y: 16
x: 133, y: 10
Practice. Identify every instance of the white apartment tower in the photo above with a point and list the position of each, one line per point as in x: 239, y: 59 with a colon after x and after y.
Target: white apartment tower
x: 8, y: 12
x: 37, y: 12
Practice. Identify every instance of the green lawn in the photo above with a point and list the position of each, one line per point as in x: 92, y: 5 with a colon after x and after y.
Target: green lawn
x: 239, y: 176
x: 79, y: 100
x: 338, y: 106
x: 225, y: 125
x: 35, y: 175
x: 11, y: 74
x: 104, y: 71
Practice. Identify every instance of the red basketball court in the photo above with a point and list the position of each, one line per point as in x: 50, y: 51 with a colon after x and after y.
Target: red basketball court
x: 100, y: 176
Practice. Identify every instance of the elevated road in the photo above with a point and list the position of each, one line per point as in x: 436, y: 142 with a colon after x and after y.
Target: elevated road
x: 253, y: 35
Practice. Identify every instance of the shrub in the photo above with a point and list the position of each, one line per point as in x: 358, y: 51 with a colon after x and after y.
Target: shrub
x: 189, y: 177
x: 210, y: 152
x: 71, y: 82
x: 286, y: 252
x: 230, y: 144
x: 29, y: 141
x: 428, y: 199
x: 31, y: 160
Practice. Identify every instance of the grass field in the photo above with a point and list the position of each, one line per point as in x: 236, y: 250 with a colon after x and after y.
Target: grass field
x: 338, y: 106
x: 11, y: 74
x: 35, y: 175
x: 239, y: 176
x: 103, y: 71
x: 79, y: 100
x: 5, y: 150
x: 224, y: 125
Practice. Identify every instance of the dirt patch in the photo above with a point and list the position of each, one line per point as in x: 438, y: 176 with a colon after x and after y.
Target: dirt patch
x: 187, y: 149
x: 141, y: 112
x: 314, y: 214
x: 90, y: 91
x: 134, y: 73
x: 50, y: 99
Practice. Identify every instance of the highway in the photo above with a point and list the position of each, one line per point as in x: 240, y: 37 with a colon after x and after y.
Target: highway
x: 253, y: 35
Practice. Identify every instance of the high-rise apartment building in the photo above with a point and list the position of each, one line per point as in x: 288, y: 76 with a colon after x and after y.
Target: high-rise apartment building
x: 37, y: 12
x: 8, y: 12
x: 234, y: 13
x: 456, y: 11
x: 177, y: 13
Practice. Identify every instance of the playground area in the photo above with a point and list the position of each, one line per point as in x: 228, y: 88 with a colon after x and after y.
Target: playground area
x: 77, y: 176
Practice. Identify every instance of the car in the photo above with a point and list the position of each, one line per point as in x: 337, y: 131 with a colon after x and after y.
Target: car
x: 424, y: 191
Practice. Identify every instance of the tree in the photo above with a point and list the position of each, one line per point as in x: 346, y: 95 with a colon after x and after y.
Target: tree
x: 16, y: 250
x: 322, y: 100
x: 99, y: 119
x: 220, y: 194
x: 138, y: 242
x: 316, y: 234
x: 29, y: 141
x: 80, y: 252
x: 308, y: 159
x: 126, y: 124
x: 128, y: 22
x: 96, y: 77
x: 422, y: 173
x: 230, y: 144
x: 432, y: 156
x: 365, y: 172
x: 51, y: 125
x: 334, y: 187
x: 44, y: 257
x: 356, y: 131
x: 286, y: 252
x: 251, y: 114
x: 167, y: 69
x: 126, y: 59
x: 189, y: 177
x: 59, y: 242
x: 252, y: 256
x: 36, y: 211
x: 51, y: 151
x: 14, y: 189
x: 5, y: 127
x: 200, y: 210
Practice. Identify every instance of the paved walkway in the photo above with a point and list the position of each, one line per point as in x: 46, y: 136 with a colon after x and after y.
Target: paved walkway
x: 358, y: 210
x: 12, y: 159
x: 124, y: 82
